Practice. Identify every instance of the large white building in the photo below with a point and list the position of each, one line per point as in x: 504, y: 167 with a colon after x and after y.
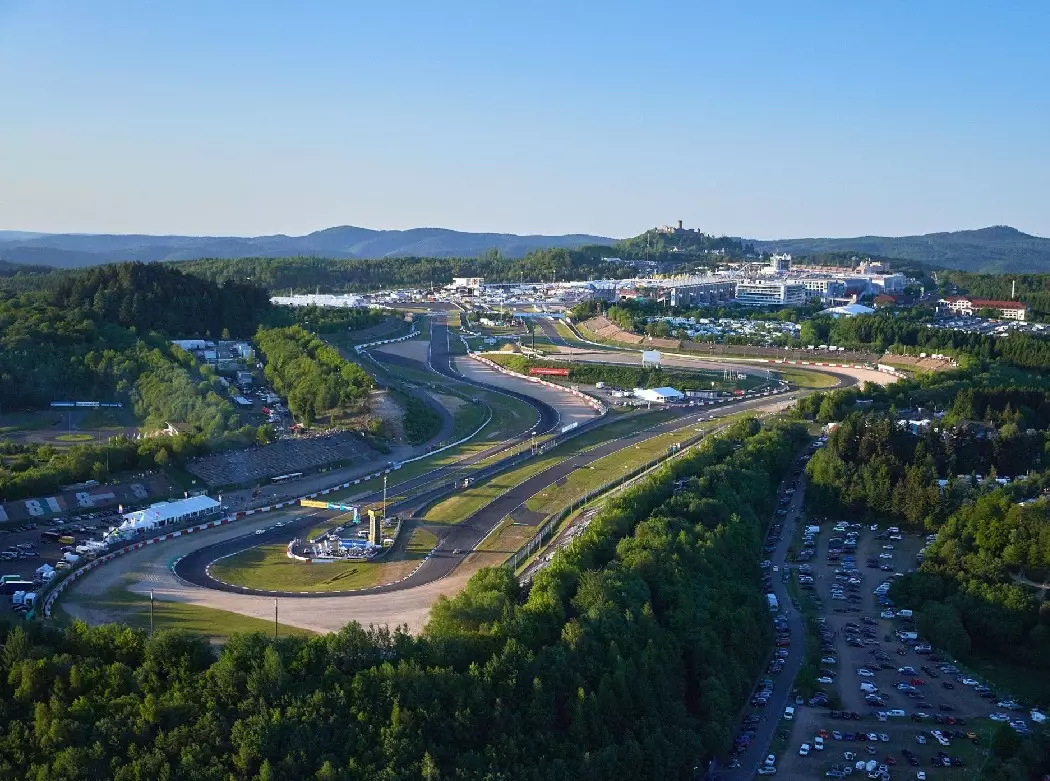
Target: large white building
x: 961, y: 305
x: 771, y: 293
x: 825, y: 287
x: 699, y: 291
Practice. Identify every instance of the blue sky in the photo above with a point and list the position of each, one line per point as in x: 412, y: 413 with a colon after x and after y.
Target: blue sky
x: 761, y: 119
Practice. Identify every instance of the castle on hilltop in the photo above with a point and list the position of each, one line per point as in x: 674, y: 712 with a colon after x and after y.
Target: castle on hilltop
x: 677, y: 228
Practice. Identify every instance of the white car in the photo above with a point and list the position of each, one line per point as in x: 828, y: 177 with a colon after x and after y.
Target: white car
x: 999, y: 717
x: 920, y: 775
x: 803, y: 750
x: 825, y: 679
x: 970, y: 682
x: 888, y: 614
x: 818, y: 743
x: 767, y: 770
x: 864, y: 672
x: 260, y: 531
x: 829, y: 660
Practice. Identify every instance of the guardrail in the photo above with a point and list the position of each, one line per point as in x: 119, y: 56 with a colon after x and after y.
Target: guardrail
x: 74, y: 575
x: 595, y: 403
x: 552, y: 523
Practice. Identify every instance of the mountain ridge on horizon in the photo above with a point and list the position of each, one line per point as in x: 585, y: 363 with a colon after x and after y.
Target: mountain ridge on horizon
x: 994, y: 249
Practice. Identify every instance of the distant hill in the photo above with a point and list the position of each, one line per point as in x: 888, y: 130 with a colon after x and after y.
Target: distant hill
x: 66, y: 250
x: 996, y: 250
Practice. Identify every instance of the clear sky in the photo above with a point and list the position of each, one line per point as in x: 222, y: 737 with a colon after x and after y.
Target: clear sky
x: 761, y: 119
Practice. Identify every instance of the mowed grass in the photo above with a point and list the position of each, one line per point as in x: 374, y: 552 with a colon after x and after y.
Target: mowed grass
x: 461, y: 506
x: 806, y: 379
x: 210, y: 622
x: 75, y: 437
x: 269, y: 568
x: 614, y: 466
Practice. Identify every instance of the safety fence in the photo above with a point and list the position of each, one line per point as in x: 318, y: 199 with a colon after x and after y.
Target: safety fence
x: 79, y: 572
x: 538, y: 540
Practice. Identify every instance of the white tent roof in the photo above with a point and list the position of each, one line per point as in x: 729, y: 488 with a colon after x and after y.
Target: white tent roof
x: 163, y: 512
x: 849, y: 310
x: 44, y: 569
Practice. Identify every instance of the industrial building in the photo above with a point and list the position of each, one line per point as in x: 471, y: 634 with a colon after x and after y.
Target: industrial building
x: 771, y: 293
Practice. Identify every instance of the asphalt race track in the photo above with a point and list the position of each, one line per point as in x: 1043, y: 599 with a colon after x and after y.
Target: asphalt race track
x: 441, y: 362
x: 464, y: 536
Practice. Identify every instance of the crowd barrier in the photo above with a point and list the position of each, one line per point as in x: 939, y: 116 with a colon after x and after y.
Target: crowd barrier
x: 361, y: 347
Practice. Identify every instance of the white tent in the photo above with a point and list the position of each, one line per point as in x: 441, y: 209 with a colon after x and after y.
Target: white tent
x: 44, y: 570
x: 163, y: 513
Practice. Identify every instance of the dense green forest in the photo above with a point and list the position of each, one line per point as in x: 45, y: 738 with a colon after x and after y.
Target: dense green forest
x: 420, y: 422
x: 310, y: 373
x: 872, y: 467
x: 95, y: 337
x: 629, y: 657
x: 968, y: 588
x: 282, y: 275
x: 327, y: 319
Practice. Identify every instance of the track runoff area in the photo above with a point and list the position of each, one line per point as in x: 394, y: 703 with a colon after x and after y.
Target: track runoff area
x: 442, y: 571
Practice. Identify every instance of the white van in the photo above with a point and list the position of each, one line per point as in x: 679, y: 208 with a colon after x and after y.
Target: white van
x: 868, y: 688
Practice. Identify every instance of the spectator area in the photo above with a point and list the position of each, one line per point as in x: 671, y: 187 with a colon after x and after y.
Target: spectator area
x: 280, y: 458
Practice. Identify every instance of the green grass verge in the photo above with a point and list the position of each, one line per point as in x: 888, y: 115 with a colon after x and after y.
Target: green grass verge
x: 268, y: 567
x: 806, y: 379
x: 210, y: 622
x: 461, y: 506
x: 74, y: 438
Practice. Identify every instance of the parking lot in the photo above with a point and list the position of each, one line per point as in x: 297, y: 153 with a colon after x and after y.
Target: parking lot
x: 24, y: 549
x: 879, y: 695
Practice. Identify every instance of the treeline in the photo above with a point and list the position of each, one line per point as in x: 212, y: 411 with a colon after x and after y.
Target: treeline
x: 327, y: 319
x: 629, y: 657
x: 873, y: 467
x: 154, y: 297
x: 1033, y: 289
x: 420, y: 421
x: 37, y: 469
x: 914, y: 333
x: 971, y: 587
x: 281, y: 275
x: 616, y: 376
x: 311, y: 374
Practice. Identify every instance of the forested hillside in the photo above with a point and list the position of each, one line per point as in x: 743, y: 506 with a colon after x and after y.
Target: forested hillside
x: 628, y: 658
x: 330, y: 275
x: 995, y: 250
x: 105, y: 335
